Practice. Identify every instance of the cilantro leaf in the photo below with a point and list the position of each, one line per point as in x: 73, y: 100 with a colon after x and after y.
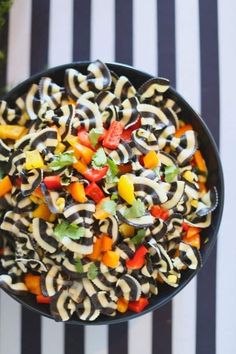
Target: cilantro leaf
x: 136, y: 210
x: 114, y: 196
x: 170, y: 173
x: 99, y: 159
x: 92, y: 271
x: 138, y: 238
x: 65, y: 229
x: 62, y: 160
x: 94, y: 135
x: 79, y: 265
x: 109, y: 206
x: 111, y: 176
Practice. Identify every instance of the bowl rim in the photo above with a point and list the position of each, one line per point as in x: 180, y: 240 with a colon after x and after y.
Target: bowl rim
x: 113, y: 65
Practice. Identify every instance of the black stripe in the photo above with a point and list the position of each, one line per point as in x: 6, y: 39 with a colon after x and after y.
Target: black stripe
x: 31, y: 322
x: 118, y: 338
x: 124, y: 31
x: 162, y: 318
x: 206, y: 284
x: 74, y: 339
x: 39, y: 35
x: 81, y: 30
x: 3, y: 49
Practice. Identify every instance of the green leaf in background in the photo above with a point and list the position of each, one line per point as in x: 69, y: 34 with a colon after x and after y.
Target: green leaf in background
x: 62, y: 160
x: 65, y: 229
x: 170, y: 173
x: 92, y: 271
x: 109, y: 206
x: 138, y: 238
x: 4, y: 8
x: 94, y: 135
x: 99, y: 159
x: 136, y: 210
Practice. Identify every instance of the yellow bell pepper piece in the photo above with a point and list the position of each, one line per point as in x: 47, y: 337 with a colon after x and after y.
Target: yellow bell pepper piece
x: 42, y: 212
x: 5, y: 186
x: 111, y: 259
x: 150, y: 160
x: 126, y: 189
x: 60, y: 148
x: 126, y: 230
x: 33, y: 160
x: 13, y: 132
x: 100, y: 213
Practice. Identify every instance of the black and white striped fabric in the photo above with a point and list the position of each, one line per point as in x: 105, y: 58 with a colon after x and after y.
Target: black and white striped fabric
x: 192, y: 43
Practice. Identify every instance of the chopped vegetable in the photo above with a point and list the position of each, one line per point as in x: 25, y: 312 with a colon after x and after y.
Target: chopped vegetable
x: 42, y: 212
x: 94, y: 135
x: 83, y: 137
x: 114, y: 197
x: 80, y: 166
x: 192, y: 231
x: 111, y: 259
x: 150, y: 160
x: 43, y: 299
x: 125, y: 168
x: 94, y: 175
x: 5, y: 186
x: 138, y: 238
x: 126, y: 230
x: 94, y: 192
x: 138, y: 260
x: 139, y: 305
x: 65, y: 229
x: 111, y: 176
x: 33, y: 160
x: 53, y: 182
x: 136, y: 210
x: 158, y: 212
x: 109, y: 206
x: 127, y: 133
x: 122, y: 305
x: 13, y: 132
x: 79, y: 265
x: 92, y: 272
x: 170, y: 173
x: 60, y: 148
x: 77, y: 192
x: 32, y: 282
x: 97, y: 249
x: 126, y: 189
x: 99, y: 159
x: 200, y: 162
x: 194, y: 240
x: 62, y: 160
x: 106, y: 243
x: 102, y: 213
x: 83, y: 152
x: 183, y: 130
x: 113, y: 135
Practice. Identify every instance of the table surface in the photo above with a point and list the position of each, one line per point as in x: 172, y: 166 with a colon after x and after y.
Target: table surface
x: 190, y: 42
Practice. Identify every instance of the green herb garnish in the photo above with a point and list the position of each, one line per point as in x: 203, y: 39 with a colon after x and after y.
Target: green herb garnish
x: 65, y: 229
x: 170, y: 173
x: 92, y: 271
x: 111, y: 176
x: 79, y: 265
x: 114, y: 196
x: 109, y: 206
x: 62, y: 160
x: 136, y: 210
x: 94, y: 135
x: 99, y: 159
x: 138, y: 238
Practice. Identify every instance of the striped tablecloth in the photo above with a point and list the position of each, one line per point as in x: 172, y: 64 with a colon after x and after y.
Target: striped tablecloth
x: 193, y: 43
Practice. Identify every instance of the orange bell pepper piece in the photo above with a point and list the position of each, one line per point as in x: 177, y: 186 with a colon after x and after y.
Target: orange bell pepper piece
x: 183, y: 130
x: 125, y: 168
x: 42, y: 212
x: 13, y: 132
x: 200, y: 162
x: 122, y: 305
x: 192, y: 231
x: 77, y: 192
x: 32, y: 282
x: 202, y: 187
x: 106, y: 243
x: 150, y: 160
x: 193, y: 241
x: 80, y: 166
x: 111, y: 259
x: 97, y: 249
x: 5, y: 186
x: 80, y: 150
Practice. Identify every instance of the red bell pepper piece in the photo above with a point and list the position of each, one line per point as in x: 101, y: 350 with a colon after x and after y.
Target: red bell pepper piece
x: 101, y: 137
x: 18, y: 181
x: 139, y: 305
x: 95, y: 175
x: 52, y: 182
x: 43, y: 299
x: 138, y: 260
x: 159, y: 212
x: 126, y: 135
x: 113, y: 135
x: 185, y: 226
x: 84, y: 137
x: 94, y: 192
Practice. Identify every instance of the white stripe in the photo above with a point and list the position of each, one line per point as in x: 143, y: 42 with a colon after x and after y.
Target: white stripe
x: 60, y: 32
x: 10, y: 325
x: 52, y: 336
x: 18, y: 66
x: 145, y: 35
x: 140, y: 335
x: 96, y: 339
x: 226, y: 264
x: 102, y: 30
x: 188, y: 84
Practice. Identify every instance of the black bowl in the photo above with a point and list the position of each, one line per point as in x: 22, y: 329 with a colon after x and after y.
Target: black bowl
x: 207, y: 145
